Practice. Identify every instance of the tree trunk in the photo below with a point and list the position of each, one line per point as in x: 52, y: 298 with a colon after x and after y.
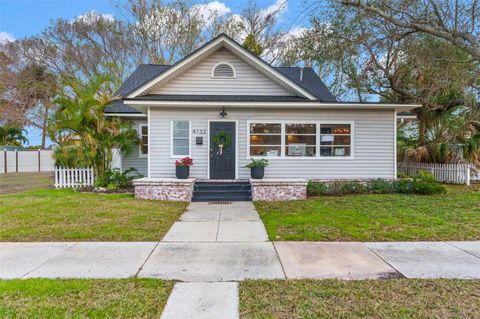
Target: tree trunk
x: 44, y: 124
x: 422, y: 128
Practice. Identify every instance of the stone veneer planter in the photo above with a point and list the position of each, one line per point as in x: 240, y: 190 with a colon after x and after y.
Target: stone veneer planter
x: 164, y: 189
x: 279, y: 189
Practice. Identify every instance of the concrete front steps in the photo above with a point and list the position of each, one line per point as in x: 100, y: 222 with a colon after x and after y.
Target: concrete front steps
x: 222, y: 191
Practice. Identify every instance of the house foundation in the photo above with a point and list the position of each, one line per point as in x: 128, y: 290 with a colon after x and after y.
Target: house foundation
x: 164, y: 189
x: 279, y: 189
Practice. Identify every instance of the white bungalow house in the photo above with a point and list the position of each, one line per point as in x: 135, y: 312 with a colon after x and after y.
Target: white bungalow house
x: 284, y: 114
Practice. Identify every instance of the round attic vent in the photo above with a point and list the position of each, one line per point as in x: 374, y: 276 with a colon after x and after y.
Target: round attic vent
x: 223, y: 70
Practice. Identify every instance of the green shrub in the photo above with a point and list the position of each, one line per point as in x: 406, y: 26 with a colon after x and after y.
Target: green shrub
x: 380, y: 186
x: 316, y: 188
x: 115, y: 179
x: 425, y: 184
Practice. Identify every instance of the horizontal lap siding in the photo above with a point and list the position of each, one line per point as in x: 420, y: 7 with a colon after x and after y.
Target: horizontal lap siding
x: 373, y: 143
x: 197, y: 80
x: 132, y: 159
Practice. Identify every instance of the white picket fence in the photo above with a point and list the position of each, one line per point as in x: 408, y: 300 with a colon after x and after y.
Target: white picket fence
x: 73, y: 177
x: 446, y: 173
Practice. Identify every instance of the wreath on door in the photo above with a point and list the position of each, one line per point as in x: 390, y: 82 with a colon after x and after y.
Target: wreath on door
x: 223, y: 140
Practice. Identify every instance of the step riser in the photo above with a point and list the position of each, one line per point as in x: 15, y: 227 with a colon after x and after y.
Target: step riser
x: 204, y: 192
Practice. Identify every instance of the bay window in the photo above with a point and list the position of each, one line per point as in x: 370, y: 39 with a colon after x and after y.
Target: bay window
x: 305, y: 139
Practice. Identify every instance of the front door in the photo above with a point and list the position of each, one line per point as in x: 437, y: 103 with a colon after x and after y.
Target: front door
x: 222, y: 150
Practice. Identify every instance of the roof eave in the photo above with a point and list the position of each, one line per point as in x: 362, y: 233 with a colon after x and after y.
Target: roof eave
x: 141, y: 104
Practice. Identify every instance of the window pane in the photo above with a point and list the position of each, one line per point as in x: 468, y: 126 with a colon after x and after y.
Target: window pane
x: 335, y: 140
x: 305, y: 139
x: 265, y: 128
x: 145, y: 140
x: 265, y: 139
x: 180, y: 133
x: 301, y: 128
x: 180, y: 125
x: 334, y: 151
x: 144, y: 130
x: 334, y: 128
x: 268, y: 151
x: 145, y: 149
x: 181, y: 142
x: 180, y: 150
x: 300, y: 150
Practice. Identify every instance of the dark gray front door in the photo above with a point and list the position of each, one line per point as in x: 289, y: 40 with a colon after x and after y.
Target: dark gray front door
x: 222, y: 162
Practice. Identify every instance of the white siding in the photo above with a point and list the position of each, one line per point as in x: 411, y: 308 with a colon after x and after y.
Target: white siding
x: 132, y: 159
x: 197, y: 80
x: 373, y: 143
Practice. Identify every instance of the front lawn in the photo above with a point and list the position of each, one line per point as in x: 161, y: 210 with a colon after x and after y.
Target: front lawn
x: 66, y: 215
x: 385, y: 217
x: 82, y: 298
x: 401, y: 298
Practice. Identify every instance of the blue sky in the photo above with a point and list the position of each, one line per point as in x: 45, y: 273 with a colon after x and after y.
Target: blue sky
x: 24, y: 18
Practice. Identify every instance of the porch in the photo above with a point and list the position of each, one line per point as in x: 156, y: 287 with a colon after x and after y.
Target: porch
x: 192, y: 189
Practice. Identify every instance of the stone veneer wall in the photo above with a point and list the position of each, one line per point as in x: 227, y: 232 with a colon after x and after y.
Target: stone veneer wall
x: 164, y: 189
x: 279, y: 189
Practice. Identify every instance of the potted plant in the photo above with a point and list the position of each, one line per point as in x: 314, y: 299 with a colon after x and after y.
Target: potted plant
x: 182, y: 167
x: 257, y: 168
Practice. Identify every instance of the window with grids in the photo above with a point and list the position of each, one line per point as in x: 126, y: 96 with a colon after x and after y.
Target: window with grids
x: 144, y: 140
x: 300, y: 139
x: 180, y: 138
x: 335, y: 140
x: 266, y: 139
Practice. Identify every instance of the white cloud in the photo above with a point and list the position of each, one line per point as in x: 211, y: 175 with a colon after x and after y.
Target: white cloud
x: 92, y: 16
x: 211, y: 10
x: 6, y: 37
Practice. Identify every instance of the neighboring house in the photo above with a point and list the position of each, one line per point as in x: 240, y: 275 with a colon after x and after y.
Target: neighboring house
x: 284, y: 114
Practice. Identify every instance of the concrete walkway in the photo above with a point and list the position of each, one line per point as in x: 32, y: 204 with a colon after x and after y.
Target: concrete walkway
x: 214, y: 246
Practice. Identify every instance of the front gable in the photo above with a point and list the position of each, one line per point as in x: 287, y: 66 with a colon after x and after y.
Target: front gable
x: 192, y: 75
x: 199, y: 80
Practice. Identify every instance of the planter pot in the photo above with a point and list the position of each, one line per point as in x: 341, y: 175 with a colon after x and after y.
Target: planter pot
x: 182, y: 172
x: 257, y: 172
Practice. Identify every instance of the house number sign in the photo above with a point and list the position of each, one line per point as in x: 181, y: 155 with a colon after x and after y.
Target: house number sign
x: 199, y: 131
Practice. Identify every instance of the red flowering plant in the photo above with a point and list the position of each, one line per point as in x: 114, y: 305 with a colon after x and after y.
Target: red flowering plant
x: 186, y: 161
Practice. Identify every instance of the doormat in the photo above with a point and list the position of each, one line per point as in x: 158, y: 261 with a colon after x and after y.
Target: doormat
x: 219, y: 202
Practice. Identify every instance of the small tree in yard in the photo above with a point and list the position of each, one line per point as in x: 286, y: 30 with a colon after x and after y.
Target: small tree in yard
x: 11, y: 135
x: 90, y: 135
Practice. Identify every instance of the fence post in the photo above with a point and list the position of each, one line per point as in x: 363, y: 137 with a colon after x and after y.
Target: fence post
x: 467, y: 177
x: 16, y: 161
x: 39, y: 169
x: 5, y: 160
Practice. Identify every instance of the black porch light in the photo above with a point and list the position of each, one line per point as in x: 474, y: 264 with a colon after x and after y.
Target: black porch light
x: 223, y: 113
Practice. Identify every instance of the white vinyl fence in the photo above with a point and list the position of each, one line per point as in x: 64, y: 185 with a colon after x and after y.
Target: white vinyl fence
x: 447, y: 173
x: 73, y: 177
x: 26, y: 161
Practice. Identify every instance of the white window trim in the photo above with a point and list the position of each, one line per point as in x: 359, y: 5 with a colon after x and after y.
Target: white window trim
x: 223, y: 77
x: 140, y: 153
x: 317, y: 155
x: 189, y: 139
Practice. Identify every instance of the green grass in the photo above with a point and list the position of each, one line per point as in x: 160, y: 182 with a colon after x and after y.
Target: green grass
x: 66, y: 215
x: 391, y: 217
x: 19, y: 182
x: 55, y: 298
x: 401, y: 298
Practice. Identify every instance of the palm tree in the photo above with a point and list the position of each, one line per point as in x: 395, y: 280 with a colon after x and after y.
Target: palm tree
x: 81, y: 115
x: 12, y: 135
